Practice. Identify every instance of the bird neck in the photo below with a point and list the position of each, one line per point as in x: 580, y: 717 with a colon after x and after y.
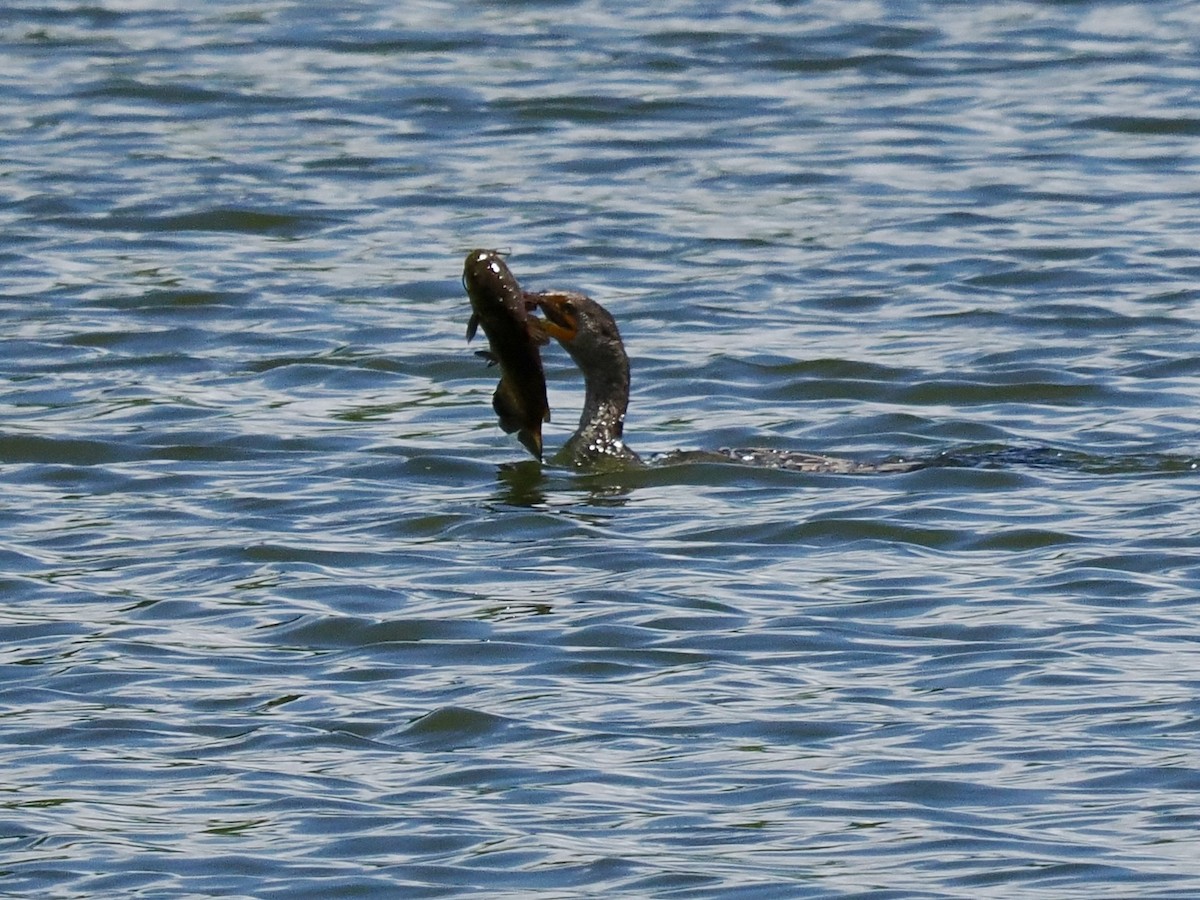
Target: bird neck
x: 602, y: 423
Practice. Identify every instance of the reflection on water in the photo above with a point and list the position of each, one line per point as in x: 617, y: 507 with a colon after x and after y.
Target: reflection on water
x: 286, y: 614
x: 521, y: 484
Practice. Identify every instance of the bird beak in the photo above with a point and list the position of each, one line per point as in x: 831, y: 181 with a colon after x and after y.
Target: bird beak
x: 559, y: 323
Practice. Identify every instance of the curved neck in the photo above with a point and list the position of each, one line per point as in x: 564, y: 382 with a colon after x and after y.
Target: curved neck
x: 602, y: 423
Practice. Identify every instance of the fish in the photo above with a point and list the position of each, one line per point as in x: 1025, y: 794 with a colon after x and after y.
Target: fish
x: 501, y: 308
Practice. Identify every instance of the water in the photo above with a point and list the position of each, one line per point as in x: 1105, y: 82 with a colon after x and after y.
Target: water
x: 285, y: 614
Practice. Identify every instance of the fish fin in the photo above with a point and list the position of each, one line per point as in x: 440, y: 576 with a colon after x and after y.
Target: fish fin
x: 489, y: 356
x: 531, y: 439
x: 513, y: 418
x: 507, y: 407
x: 472, y: 326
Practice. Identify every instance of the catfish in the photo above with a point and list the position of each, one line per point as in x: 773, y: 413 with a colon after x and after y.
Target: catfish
x: 502, y: 308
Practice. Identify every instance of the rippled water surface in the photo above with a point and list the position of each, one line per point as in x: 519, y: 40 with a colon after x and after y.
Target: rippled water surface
x: 286, y: 615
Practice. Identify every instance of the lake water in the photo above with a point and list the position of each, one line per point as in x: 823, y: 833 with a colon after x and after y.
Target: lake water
x: 286, y: 615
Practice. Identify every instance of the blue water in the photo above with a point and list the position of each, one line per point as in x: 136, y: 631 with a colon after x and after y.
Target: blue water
x: 286, y: 615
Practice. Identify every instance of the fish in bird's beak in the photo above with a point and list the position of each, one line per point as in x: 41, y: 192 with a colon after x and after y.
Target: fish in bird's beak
x: 562, y: 315
x: 501, y: 308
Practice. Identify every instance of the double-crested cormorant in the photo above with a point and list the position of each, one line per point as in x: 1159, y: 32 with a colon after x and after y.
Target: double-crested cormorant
x: 589, y: 334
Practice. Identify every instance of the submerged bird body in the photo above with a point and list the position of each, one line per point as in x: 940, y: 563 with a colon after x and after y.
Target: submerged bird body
x: 500, y: 306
